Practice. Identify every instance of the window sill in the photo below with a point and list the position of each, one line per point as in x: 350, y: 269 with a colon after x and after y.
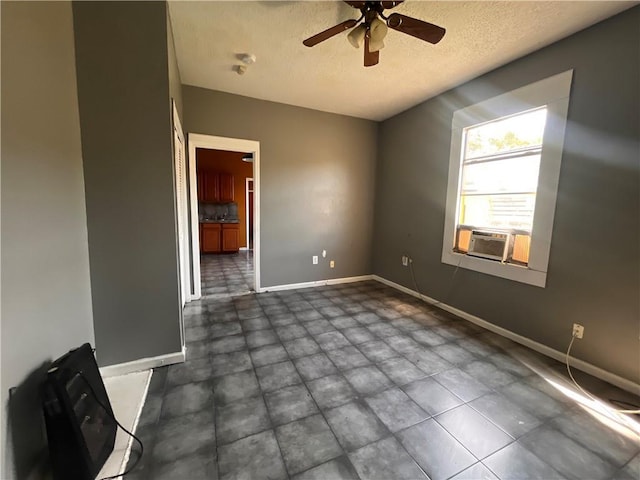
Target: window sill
x: 491, y: 267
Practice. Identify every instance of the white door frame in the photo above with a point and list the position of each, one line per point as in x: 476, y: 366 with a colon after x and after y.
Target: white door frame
x: 197, y: 140
x: 246, y: 207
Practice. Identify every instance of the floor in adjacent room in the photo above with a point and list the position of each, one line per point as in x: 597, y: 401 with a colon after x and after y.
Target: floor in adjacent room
x: 226, y: 273
x: 362, y: 381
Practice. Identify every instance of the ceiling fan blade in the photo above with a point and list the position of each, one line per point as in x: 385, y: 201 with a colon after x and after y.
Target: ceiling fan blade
x: 387, y: 5
x: 416, y: 28
x: 357, y: 5
x: 330, y: 32
x: 370, y: 58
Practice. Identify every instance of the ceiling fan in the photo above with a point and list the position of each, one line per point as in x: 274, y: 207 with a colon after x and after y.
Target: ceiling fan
x: 373, y: 29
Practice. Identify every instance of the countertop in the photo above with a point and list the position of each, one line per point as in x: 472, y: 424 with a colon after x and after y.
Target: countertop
x: 218, y: 221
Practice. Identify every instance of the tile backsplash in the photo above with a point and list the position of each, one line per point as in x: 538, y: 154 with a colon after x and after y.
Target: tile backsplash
x: 218, y: 211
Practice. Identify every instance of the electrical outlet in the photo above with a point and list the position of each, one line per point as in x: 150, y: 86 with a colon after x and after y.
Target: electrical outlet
x: 578, y: 330
x: 332, y: 264
x: 324, y: 254
x: 405, y: 261
x: 315, y: 259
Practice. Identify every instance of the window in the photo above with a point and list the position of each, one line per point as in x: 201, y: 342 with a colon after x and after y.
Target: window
x: 503, y: 176
x: 499, y: 180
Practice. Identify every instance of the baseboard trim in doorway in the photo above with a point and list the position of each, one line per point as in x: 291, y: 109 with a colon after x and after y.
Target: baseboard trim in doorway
x: 586, y: 367
x: 143, y: 364
x: 317, y: 283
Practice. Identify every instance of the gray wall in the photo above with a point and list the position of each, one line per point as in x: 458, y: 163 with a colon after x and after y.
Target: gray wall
x: 46, y: 298
x: 123, y: 92
x: 175, y: 84
x: 317, y: 181
x: 597, y: 202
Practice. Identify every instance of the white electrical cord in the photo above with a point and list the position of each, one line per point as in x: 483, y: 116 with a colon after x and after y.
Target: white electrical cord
x: 573, y: 337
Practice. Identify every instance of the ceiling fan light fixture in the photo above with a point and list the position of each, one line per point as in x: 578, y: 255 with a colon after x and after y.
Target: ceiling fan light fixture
x: 356, y: 36
x: 375, y: 46
x: 378, y: 31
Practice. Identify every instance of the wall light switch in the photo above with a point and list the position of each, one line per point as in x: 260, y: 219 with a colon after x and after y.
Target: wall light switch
x: 324, y: 254
x: 315, y: 259
x: 332, y: 264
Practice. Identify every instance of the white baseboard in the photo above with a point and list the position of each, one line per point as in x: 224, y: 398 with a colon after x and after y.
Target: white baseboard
x: 143, y: 364
x: 586, y: 367
x: 318, y: 283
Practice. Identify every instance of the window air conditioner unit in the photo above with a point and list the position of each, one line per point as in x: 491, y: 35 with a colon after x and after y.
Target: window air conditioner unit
x: 491, y: 245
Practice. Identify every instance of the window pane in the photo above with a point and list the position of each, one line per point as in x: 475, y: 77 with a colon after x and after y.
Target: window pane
x: 511, y: 175
x: 498, y: 211
x: 505, y: 135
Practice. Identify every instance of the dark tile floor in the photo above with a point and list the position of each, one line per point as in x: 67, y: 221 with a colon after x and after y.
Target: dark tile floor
x: 227, y: 274
x: 361, y: 381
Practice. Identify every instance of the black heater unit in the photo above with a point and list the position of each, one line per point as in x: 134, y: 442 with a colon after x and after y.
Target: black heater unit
x: 81, y: 429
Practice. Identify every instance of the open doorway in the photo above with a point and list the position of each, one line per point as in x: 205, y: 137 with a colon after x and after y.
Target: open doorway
x: 224, y: 215
x: 226, y: 258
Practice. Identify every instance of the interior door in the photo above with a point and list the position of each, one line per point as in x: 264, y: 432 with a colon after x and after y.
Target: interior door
x: 182, y: 207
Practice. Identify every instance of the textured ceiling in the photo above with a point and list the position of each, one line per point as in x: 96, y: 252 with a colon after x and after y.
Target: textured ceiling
x: 330, y: 76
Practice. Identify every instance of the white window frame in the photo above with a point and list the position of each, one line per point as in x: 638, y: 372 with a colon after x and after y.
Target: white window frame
x: 552, y: 92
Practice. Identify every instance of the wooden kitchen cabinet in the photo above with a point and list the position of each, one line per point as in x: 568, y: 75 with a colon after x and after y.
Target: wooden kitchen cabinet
x: 225, y: 188
x: 230, y: 237
x: 210, y: 238
x: 212, y: 181
x: 208, y: 187
x: 219, y: 237
x: 215, y: 187
x: 201, y: 191
x: 203, y: 187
